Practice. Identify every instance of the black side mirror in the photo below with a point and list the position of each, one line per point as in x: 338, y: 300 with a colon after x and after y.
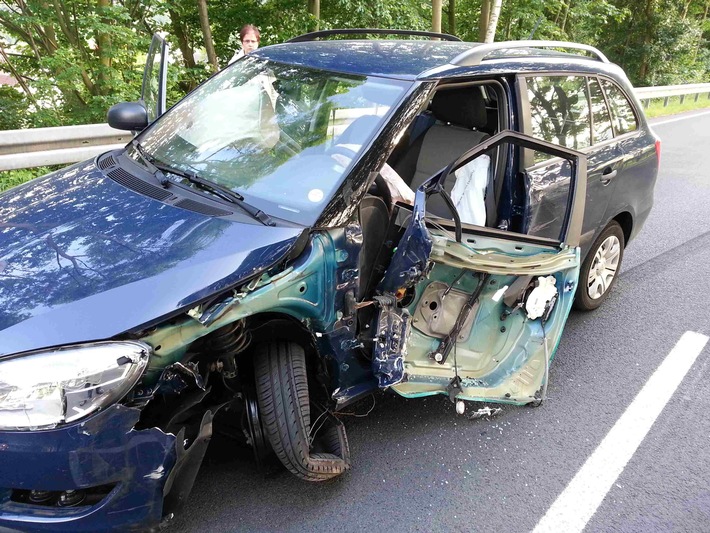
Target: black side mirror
x: 131, y: 116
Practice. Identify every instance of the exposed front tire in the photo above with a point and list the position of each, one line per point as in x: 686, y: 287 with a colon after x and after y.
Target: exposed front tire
x: 600, y: 268
x: 314, y: 453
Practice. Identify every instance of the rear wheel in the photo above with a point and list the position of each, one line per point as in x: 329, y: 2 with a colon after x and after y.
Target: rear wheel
x: 314, y: 452
x: 600, y: 268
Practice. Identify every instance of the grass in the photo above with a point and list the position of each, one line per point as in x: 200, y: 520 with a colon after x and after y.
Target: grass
x: 12, y: 178
x: 657, y: 109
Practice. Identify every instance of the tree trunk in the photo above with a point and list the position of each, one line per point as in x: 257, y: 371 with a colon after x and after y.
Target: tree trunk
x: 493, y: 21
x: 686, y: 8
x: 103, y: 41
x: 452, y: 17
x: 207, y: 34
x: 566, y: 15
x: 16, y: 75
x: 508, y: 27
x: 188, y: 55
x: 436, y: 15
x: 702, y: 23
x: 649, y: 28
x: 314, y: 9
x: 483, y: 21
x: 49, y: 32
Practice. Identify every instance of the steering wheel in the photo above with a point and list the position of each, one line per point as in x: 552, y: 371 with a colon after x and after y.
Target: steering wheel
x: 381, y: 190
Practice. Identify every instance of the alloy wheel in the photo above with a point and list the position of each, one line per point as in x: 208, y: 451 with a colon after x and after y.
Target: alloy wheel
x: 604, y: 267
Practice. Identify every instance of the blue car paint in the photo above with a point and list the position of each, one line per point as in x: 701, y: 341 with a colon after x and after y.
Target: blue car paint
x: 84, y: 258
x: 97, y: 260
x: 410, y: 260
x: 101, y: 450
x: 367, y: 57
x: 314, y: 290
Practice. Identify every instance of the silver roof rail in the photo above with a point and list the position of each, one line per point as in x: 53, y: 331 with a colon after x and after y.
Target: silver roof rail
x: 475, y: 56
x: 314, y: 35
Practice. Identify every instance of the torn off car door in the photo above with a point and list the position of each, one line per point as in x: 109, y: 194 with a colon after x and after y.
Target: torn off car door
x: 477, y: 314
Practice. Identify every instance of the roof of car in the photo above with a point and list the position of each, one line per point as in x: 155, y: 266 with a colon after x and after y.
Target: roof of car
x: 410, y: 59
x: 397, y: 58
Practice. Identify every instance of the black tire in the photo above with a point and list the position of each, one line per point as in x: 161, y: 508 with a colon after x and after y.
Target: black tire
x: 591, y: 293
x: 284, y: 405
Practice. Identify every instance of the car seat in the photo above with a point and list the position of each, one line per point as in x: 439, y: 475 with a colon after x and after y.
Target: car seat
x: 460, y: 113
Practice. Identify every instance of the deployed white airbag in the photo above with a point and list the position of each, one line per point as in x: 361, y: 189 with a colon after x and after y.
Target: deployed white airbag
x: 469, y: 192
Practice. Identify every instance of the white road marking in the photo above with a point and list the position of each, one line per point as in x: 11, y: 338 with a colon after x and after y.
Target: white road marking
x: 580, y: 500
x: 653, y: 124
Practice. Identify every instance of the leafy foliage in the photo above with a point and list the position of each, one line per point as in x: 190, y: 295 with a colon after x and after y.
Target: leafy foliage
x: 78, y: 57
x: 12, y: 178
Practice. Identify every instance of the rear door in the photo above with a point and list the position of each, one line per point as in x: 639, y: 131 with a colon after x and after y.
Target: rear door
x: 635, y: 178
x: 473, y: 312
x: 568, y: 110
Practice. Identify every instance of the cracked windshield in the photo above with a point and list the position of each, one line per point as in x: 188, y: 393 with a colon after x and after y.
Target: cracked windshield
x: 281, y: 135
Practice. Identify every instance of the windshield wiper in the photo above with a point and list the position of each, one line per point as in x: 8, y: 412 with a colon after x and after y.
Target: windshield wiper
x: 146, y: 158
x: 218, y: 190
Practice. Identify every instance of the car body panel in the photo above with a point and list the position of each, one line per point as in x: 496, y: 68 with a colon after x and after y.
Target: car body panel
x: 75, y: 244
x: 631, y: 155
x: 312, y: 290
x: 83, y: 455
x: 635, y: 183
x: 85, y: 258
x: 498, y: 360
x: 400, y: 59
x: 461, y: 300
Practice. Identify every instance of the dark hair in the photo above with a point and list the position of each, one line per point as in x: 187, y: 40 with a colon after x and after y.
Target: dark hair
x: 249, y: 28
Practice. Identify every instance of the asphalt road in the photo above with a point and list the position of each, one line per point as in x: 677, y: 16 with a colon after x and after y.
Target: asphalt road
x: 417, y: 466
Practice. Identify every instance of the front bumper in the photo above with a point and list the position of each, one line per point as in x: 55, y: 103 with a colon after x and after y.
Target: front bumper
x: 126, y: 472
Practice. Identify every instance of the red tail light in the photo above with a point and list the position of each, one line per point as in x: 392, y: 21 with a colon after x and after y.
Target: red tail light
x: 658, y: 152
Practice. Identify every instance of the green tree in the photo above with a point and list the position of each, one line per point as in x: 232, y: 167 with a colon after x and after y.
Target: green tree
x: 76, y: 55
x: 14, y: 105
x: 656, y: 42
x: 75, y: 58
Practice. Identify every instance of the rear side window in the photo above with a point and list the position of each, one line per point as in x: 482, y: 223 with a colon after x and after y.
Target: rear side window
x: 559, y: 111
x: 600, y: 113
x: 622, y: 113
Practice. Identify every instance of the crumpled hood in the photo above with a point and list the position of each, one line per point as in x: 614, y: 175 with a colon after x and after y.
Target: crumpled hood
x: 83, y: 258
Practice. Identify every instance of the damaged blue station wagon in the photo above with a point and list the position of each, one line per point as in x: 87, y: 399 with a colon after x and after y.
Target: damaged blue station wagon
x: 318, y: 221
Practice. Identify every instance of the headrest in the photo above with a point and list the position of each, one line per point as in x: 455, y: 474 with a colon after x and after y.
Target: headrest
x: 461, y: 107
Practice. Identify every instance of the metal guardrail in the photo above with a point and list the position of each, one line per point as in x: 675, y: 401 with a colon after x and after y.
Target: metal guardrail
x: 39, y: 147
x: 646, y: 94
x: 57, y: 146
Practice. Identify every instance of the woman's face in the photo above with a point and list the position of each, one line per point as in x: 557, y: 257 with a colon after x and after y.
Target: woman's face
x: 250, y: 42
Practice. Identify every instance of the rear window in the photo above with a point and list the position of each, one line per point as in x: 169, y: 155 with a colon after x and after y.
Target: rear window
x: 600, y: 113
x: 559, y: 111
x: 622, y: 112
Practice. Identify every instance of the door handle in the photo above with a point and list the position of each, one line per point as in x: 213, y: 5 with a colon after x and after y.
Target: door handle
x: 608, y: 174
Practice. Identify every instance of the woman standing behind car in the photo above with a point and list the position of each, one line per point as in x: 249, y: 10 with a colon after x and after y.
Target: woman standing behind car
x: 249, y: 36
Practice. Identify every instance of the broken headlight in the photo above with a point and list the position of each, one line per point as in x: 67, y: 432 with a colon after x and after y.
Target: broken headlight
x: 44, y: 389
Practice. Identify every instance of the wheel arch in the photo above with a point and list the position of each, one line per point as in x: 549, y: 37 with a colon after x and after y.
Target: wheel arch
x: 626, y: 221
x: 279, y: 326
x: 274, y: 327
